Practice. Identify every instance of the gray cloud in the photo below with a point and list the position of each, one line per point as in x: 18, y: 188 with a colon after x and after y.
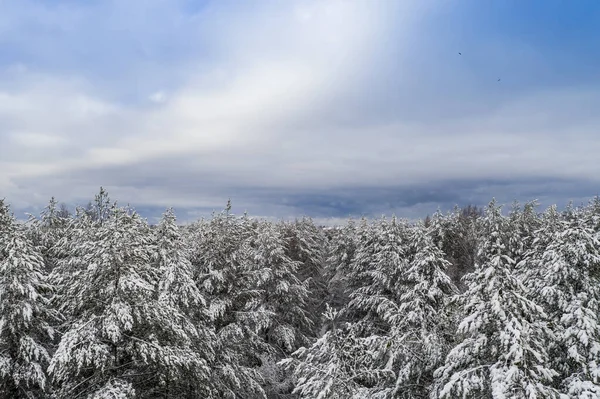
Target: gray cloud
x: 326, y: 109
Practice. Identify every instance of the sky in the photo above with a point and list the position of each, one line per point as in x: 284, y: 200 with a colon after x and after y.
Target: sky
x: 329, y: 109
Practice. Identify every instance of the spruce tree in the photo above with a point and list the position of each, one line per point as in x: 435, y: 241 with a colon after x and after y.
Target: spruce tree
x: 178, y: 291
x: 25, y: 333
x: 120, y: 338
x: 338, y: 365
x: 341, y: 249
x: 422, y: 323
x: 284, y: 299
x: 305, y: 244
x: 503, y: 335
x: 380, y: 267
x: 232, y: 284
x: 47, y: 231
x: 564, y: 273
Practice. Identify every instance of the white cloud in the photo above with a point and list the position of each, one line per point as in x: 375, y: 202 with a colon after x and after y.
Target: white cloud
x: 158, y: 97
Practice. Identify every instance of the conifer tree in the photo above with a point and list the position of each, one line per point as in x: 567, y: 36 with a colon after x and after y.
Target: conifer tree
x: 176, y: 283
x: 380, y: 266
x: 502, y: 351
x: 178, y: 291
x: 47, y: 231
x: 422, y: 324
x: 564, y: 272
x: 285, y: 296
x: 120, y: 337
x: 341, y: 249
x: 232, y: 285
x: 338, y: 365
x: 284, y: 299
x: 25, y: 333
x: 305, y: 245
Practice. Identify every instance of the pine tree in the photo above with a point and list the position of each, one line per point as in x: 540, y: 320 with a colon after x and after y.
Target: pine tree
x: 502, y: 351
x: 284, y: 298
x: 24, y: 313
x: 305, y: 245
x: 47, y: 231
x: 100, y: 210
x: 176, y: 286
x: 341, y: 249
x: 178, y: 291
x: 524, y: 223
x: 458, y: 236
x: 564, y: 272
x: 232, y: 285
x: 421, y: 326
x: 338, y: 365
x: 380, y: 267
x: 120, y: 337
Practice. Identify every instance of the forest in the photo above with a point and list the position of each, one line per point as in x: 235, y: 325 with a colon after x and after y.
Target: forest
x: 493, y: 302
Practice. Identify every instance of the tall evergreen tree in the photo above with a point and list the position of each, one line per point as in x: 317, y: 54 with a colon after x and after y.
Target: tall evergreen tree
x: 564, y: 272
x: 305, y: 244
x: 232, y: 285
x: 47, y: 231
x: 178, y: 291
x: 338, y: 365
x: 284, y: 298
x: 502, y: 351
x: 380, y: 265
x: 341, y: 249
x: 121, y: 338
x: 421, y: 326
x: 24, y: 313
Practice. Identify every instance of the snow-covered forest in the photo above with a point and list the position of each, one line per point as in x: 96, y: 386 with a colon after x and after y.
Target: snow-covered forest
x: 470, y: 304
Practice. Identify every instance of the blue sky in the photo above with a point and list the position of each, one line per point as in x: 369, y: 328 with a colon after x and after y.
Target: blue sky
x: 320, y: 108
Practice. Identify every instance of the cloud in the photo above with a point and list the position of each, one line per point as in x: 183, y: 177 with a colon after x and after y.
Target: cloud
x: 158, y: 97
x: 322, y: 108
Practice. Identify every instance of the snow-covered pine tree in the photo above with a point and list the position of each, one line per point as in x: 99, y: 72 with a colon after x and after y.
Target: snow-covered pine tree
x: 24, y: 313
x: 305, y: 243
x: 120, y: 338
x: 564, y: 272
x: 366, y: 242
x: 339, y: 365
x: 503, y: 336
x: 592, y: 214
x: 379, y: 274
x: 524, y: 223
x: 438, y: 227
x: 284, y: 299
x: 284, y: 295
x: 381, y: 263
x: 178, y: 291
x: 176, y: 283
x: 100, y: 209
x: 6, y: 219
x: 421, y: 327
x: 341, y: 248
x: 232, y: 286
x: 456, y: 234
x: 47, y: 231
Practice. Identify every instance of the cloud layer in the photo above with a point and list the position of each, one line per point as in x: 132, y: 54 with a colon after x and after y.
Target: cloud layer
x: 328, y: 109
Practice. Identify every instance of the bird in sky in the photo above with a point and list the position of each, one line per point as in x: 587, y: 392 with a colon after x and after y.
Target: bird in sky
x: 498, y: 79
x: 459, y: 53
